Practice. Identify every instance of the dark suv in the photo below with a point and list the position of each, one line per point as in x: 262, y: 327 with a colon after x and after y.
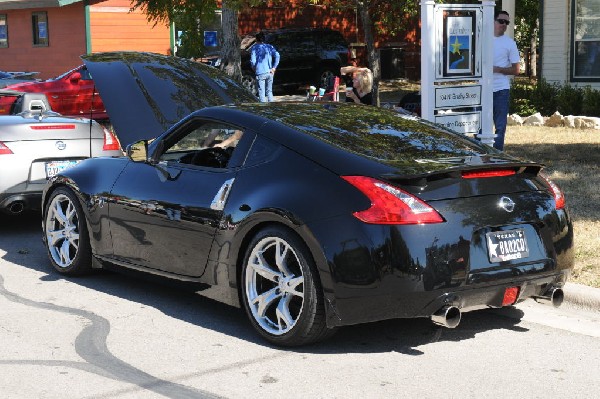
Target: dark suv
x: 308, y: 56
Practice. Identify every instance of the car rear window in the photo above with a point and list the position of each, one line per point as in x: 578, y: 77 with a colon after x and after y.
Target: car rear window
x: 377, y: 133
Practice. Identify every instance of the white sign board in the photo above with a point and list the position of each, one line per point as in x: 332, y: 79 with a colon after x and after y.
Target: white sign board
x: 457, y: 96
x: 469, y: 122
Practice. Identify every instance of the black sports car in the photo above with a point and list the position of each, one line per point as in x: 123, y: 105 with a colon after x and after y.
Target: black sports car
x: 314, y: 215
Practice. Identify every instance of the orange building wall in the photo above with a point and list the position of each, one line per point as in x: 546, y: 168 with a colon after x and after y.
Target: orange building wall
x: 114, y: 28
x: 66, y: 34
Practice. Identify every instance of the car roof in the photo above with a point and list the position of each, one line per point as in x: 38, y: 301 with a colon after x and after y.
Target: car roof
x: 348, y: 138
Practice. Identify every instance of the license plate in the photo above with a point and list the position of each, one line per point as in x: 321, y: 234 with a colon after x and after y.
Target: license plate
x: 55, y: 167
x: 507, y: 245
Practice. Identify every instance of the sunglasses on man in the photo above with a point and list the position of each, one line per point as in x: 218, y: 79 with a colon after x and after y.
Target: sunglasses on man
x: 503, y: 21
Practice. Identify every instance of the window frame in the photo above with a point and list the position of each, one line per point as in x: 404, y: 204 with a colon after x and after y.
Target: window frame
x: 4, y: 41
x: 37, y: 40
x: 170, y: 143
x: 575, y: 43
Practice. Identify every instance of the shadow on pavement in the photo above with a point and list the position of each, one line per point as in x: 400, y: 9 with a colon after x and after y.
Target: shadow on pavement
x: 22, y: 245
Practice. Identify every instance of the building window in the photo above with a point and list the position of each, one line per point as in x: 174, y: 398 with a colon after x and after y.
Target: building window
x: 585, y: 49
x: 3, y: 31
x: 39, y: 22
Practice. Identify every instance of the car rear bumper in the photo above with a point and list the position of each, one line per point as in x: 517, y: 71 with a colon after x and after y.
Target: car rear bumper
x: 348, y: 311
x: 372, y: 273
x: 16, y: 203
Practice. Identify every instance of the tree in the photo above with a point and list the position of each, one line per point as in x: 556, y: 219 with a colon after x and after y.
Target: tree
x: 230, y: 51
x: 526, y: 35
x: 190, y: 15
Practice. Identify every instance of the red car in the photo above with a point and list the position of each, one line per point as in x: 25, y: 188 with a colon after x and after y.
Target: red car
x: 70, y: 94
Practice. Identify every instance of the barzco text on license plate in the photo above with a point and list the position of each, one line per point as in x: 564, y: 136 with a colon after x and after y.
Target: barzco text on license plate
x: 507, y: 245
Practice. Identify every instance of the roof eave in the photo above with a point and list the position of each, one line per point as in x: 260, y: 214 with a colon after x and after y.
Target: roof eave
x: 26, y: 4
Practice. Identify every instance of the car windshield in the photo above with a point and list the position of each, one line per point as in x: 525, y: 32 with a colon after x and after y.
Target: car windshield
x: 59, y: 77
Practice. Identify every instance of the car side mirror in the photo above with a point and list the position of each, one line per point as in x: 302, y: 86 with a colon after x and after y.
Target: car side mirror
x: 75, y: 78
x: 138, y: 151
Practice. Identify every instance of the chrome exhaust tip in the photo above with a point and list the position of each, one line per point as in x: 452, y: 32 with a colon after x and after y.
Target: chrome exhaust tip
x: 554, y: 297
x: 16, y: 207
x: 448, y: 316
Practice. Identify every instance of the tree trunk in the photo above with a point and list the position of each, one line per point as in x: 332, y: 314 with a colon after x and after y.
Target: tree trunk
x: 372, y: 55
x: 533, y: 54
x: 230, y: 51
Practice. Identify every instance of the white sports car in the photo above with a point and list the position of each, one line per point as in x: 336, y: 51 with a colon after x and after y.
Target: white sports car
x: 36, y: 143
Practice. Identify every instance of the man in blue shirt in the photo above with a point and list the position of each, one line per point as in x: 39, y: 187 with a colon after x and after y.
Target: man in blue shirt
x: 264, y: 60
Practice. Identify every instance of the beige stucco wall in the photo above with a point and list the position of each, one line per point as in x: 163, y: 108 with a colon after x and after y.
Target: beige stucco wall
x: 555, y: 44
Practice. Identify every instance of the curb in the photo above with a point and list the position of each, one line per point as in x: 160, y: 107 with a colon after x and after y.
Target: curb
x: 582, y: 297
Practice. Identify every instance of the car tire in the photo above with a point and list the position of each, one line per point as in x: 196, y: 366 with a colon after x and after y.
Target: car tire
x: 66, y: 234
x: 249, y: 82
x: 281, y: 292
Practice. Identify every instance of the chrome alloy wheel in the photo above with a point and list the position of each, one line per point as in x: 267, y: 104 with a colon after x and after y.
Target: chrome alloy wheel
x: 274, y: 284
x: 62, y: 230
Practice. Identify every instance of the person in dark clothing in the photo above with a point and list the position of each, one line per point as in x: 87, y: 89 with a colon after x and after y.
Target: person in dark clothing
x: 362, y: 85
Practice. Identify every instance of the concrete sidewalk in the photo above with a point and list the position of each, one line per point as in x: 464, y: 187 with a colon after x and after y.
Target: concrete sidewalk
x: 581, y: 296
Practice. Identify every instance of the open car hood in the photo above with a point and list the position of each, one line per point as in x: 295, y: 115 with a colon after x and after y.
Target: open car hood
x: 145, y: 93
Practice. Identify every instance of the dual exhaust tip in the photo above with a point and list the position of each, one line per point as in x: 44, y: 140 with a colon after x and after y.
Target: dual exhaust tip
x: 15, y: 207
x: 554, y: 297
x: 449, y: 316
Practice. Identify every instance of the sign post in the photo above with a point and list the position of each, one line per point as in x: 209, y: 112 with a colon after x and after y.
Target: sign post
x: 487, y: 128
x: 456, y: 66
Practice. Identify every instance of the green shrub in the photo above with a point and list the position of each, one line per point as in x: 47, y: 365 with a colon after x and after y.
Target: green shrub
x: 543, y: 97
x: 591, y: 102
x: 520, y: 95
x: 569, y: 100
x: 522, y: 106
x: 547, y: 98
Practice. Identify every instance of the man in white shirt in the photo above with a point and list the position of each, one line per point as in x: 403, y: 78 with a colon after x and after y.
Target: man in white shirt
x: 506, y: 64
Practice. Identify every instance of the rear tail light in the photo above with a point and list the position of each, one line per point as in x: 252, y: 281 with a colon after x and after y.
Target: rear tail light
x: 559, y: 197
x: 390, y: 205
x: 52, y: 127
x: 511, y: 294
x: 110, y: 141
x: 474, y: 174
x: 4, y: 149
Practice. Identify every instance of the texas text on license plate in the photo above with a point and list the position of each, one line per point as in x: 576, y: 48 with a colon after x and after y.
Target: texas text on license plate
x: 507, y: 245
x: 55, y: 167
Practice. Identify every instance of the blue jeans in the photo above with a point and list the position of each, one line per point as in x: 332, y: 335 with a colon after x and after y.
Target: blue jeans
x: 501, y: 98
x: 264, y: 81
